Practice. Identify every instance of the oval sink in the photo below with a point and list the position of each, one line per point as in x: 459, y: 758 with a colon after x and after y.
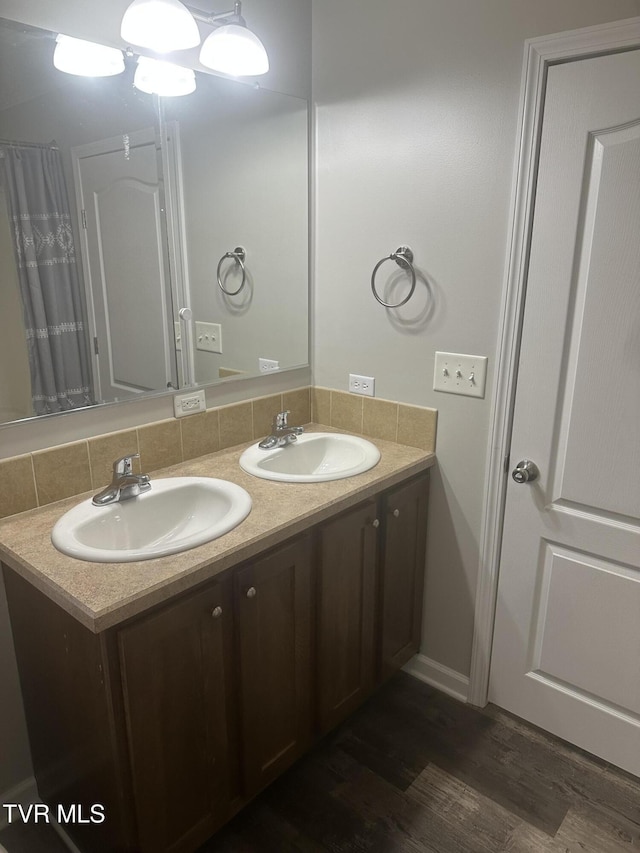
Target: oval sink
x: 313, y: 458
x: 174, y: 515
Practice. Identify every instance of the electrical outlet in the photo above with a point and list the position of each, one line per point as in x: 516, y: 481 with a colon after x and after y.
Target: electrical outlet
x: 455, y: 373
x: 362, y: 385
x: 266, y: 365
x: 208, y: 336
x: 189, y: 404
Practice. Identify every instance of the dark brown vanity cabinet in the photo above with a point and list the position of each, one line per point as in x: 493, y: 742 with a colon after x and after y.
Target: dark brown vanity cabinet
x: 371, y: 563
x: 274, y: 599
x: 197, y: 752
x: 347, y: 582
x: 176, y: 718
x: 177, y: 678
x: 404, y: 515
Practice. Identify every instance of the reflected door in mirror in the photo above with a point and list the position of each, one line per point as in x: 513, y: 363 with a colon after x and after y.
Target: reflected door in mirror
x: 118, y: 187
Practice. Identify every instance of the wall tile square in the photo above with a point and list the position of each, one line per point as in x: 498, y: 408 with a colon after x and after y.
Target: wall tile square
x: 200, y: 434
x: 105, y: 449
x: 62, y: 471
x: 299, y: 404
x: 236, y: 424
x: 160, y: 445
x: 264, y: 409
x: 321, y: 406
x: 380, y: 419
x: 17, y: 486
x: 346, y: 411
x: 417, y: 427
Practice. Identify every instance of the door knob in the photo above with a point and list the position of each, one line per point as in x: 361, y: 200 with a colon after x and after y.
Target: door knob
x: 525, y: 471
x: 252, y: 592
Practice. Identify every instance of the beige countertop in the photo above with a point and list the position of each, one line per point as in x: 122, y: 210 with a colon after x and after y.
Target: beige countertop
x: 101, y: 595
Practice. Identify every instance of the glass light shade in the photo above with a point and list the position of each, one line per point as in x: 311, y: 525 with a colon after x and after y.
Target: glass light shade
x: 86, y: 58
x: 160, y: 25
x: 163, y: 78
x: 233, y: 49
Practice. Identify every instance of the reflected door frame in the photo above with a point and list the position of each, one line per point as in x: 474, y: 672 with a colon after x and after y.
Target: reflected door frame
x: 540, y: 54
x: 136, y: 139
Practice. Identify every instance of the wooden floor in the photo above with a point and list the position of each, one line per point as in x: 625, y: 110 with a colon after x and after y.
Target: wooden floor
x: 417, y: 772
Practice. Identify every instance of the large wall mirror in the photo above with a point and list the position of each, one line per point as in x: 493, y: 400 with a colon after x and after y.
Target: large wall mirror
x: 146, y: 243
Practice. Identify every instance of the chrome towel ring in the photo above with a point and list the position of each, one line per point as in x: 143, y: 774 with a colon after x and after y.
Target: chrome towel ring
x: 238, y: 256
x: 403, y: 256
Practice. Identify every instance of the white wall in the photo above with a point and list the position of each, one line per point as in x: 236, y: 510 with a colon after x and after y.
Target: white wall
x: 416, y: 112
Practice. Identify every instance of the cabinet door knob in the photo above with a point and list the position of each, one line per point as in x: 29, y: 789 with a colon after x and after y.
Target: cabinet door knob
x: 396, y: 513
x: 216, y: 612
x: 252, y: 592
x: 375, y: 522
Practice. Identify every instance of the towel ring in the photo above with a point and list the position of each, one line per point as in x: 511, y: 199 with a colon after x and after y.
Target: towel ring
x: 239, y: 256
x: 403, y: 256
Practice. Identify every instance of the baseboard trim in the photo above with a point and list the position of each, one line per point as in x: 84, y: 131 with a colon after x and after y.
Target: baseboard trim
x: 439, y: 676
x: 25, y: 793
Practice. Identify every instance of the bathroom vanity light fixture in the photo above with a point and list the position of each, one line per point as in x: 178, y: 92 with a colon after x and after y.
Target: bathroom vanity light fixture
x: 160, y: 25
x: 86, y: 58
x: 157, y: 77
x: 168, y: 25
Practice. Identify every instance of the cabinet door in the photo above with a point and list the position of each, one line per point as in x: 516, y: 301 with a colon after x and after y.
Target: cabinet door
x: 346, y: 613
x: 175, y: 672
x: 274, y: 626
x: 402, y: 573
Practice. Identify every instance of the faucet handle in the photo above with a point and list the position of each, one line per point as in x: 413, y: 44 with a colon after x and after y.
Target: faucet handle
x: 280, y: 421
x: 124, y: 465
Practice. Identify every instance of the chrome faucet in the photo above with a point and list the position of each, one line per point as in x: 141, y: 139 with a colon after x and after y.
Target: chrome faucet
x: 125, y: 484
x: 281, y: 433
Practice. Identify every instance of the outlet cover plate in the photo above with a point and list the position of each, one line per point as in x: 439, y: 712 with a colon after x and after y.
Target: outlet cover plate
x: 456, y: 373
x: 208, y: 336
x: 189, y: 403
x: 267, y: 365
x: 365, y: 385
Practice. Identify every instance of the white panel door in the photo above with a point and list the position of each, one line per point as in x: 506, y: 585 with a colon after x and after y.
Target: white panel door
x: 125, y: 266
x: 566, y: 652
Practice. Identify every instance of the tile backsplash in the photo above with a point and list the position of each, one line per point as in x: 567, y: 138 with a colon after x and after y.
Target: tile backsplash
x: 38, y: 478
x: 375, y: 418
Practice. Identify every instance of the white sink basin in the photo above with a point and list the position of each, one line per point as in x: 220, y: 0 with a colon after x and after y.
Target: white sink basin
x: 313, y: 458
x: 174, y: 515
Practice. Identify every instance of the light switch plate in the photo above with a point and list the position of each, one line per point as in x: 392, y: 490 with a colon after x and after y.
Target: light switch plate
x: 208, y: 336
x: 455, y: 373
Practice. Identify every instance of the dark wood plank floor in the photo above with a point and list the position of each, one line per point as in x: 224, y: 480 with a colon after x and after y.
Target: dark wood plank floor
x: 417, y: 772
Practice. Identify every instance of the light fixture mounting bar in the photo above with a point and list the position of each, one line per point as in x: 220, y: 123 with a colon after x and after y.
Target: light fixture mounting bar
x: 213, y: 17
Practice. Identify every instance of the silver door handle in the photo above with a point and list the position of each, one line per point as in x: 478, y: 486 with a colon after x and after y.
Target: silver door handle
x: 525, y: 472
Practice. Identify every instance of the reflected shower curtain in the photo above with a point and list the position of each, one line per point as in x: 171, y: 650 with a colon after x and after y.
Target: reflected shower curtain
x: 49, y: 282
